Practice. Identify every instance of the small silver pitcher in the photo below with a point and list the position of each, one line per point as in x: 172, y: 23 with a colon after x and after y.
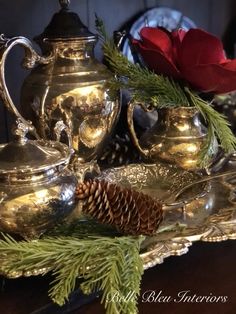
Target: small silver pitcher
x: 177, y: 137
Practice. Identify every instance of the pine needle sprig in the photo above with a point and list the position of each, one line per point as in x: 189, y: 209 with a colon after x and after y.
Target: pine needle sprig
x: 81, y: 227
x: 142, y: 83
x: 218, y: 126
x: 139, y: 80
x: 130, y: 281
x: 106, y: 264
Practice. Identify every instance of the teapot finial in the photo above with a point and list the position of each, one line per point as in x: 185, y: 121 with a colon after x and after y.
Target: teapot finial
x: 64, y: 4
x: 20, y: 131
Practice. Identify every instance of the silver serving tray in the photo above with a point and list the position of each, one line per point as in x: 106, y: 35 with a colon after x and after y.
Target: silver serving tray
x: 197, y: 208
x: 204, y: 208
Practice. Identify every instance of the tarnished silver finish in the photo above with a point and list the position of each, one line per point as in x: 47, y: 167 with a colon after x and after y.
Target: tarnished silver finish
x: 69, y: 103
x: 36, y: 187
x: 74, y: 94
x: 71, y: 87
x: 178, y: 137
x: 68, y: 84
x: 59, y: 128
x: 32, y: 208
x: 156, y: 252
x: 168, y: 183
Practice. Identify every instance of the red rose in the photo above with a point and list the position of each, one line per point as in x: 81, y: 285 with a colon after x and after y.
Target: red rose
x: 195, y: 56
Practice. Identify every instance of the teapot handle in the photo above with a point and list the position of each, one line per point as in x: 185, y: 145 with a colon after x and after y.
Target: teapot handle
x: 130, y: 114
x: 29, y: 61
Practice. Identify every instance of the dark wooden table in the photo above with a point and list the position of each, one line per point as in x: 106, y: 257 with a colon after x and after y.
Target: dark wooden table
x: 207, y: 270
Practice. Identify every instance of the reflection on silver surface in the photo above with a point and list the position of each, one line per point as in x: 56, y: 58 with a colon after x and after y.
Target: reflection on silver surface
x: 177, y: 137
x: 160, y: 180
x: 31, y: 209
x: 66, y: 84
x: 36, y: 187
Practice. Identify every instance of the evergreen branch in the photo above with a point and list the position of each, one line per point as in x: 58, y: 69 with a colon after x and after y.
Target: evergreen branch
x: 144, y: 83
x: 106, y: 264
x: 101, y: 29
x: 81, y: 227
x: 207, y: 151
x: 217, y: 124
x: 130, y: 281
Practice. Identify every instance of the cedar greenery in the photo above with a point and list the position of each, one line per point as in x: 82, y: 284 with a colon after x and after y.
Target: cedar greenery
x: 162, y: 92
x: 107, y: 264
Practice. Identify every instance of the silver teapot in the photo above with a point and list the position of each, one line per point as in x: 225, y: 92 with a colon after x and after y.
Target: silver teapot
x: 68, y: 84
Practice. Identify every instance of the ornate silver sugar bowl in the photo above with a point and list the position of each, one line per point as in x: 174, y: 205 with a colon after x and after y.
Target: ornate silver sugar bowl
x: 68, y: 84
x: 36, y: 187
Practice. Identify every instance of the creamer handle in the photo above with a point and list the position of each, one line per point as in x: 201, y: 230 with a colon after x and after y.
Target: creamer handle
x: 130, y: 114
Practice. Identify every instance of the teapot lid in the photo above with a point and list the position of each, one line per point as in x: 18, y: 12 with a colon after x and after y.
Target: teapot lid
x: 31, y: 156
x: 65, y: 25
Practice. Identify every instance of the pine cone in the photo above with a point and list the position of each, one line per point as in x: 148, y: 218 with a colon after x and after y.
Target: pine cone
x: 129, y: 211
x: 120, y: 151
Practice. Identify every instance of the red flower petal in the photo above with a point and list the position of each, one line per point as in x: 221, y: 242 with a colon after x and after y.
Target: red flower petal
x: 200, y: 47
x: 214, y: 78
x: 157, y: 61
x: 178, y: 35
x: 229, y: 64
x: 194, y: 56
x: 155, y: 38
x: 177, y: 38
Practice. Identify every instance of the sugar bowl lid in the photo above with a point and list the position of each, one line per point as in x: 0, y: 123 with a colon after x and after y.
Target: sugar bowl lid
x: 24, y: 156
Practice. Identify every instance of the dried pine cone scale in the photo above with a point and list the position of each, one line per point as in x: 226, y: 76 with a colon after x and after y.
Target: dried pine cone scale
x: 130, y: 211
x: 120, y: 151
